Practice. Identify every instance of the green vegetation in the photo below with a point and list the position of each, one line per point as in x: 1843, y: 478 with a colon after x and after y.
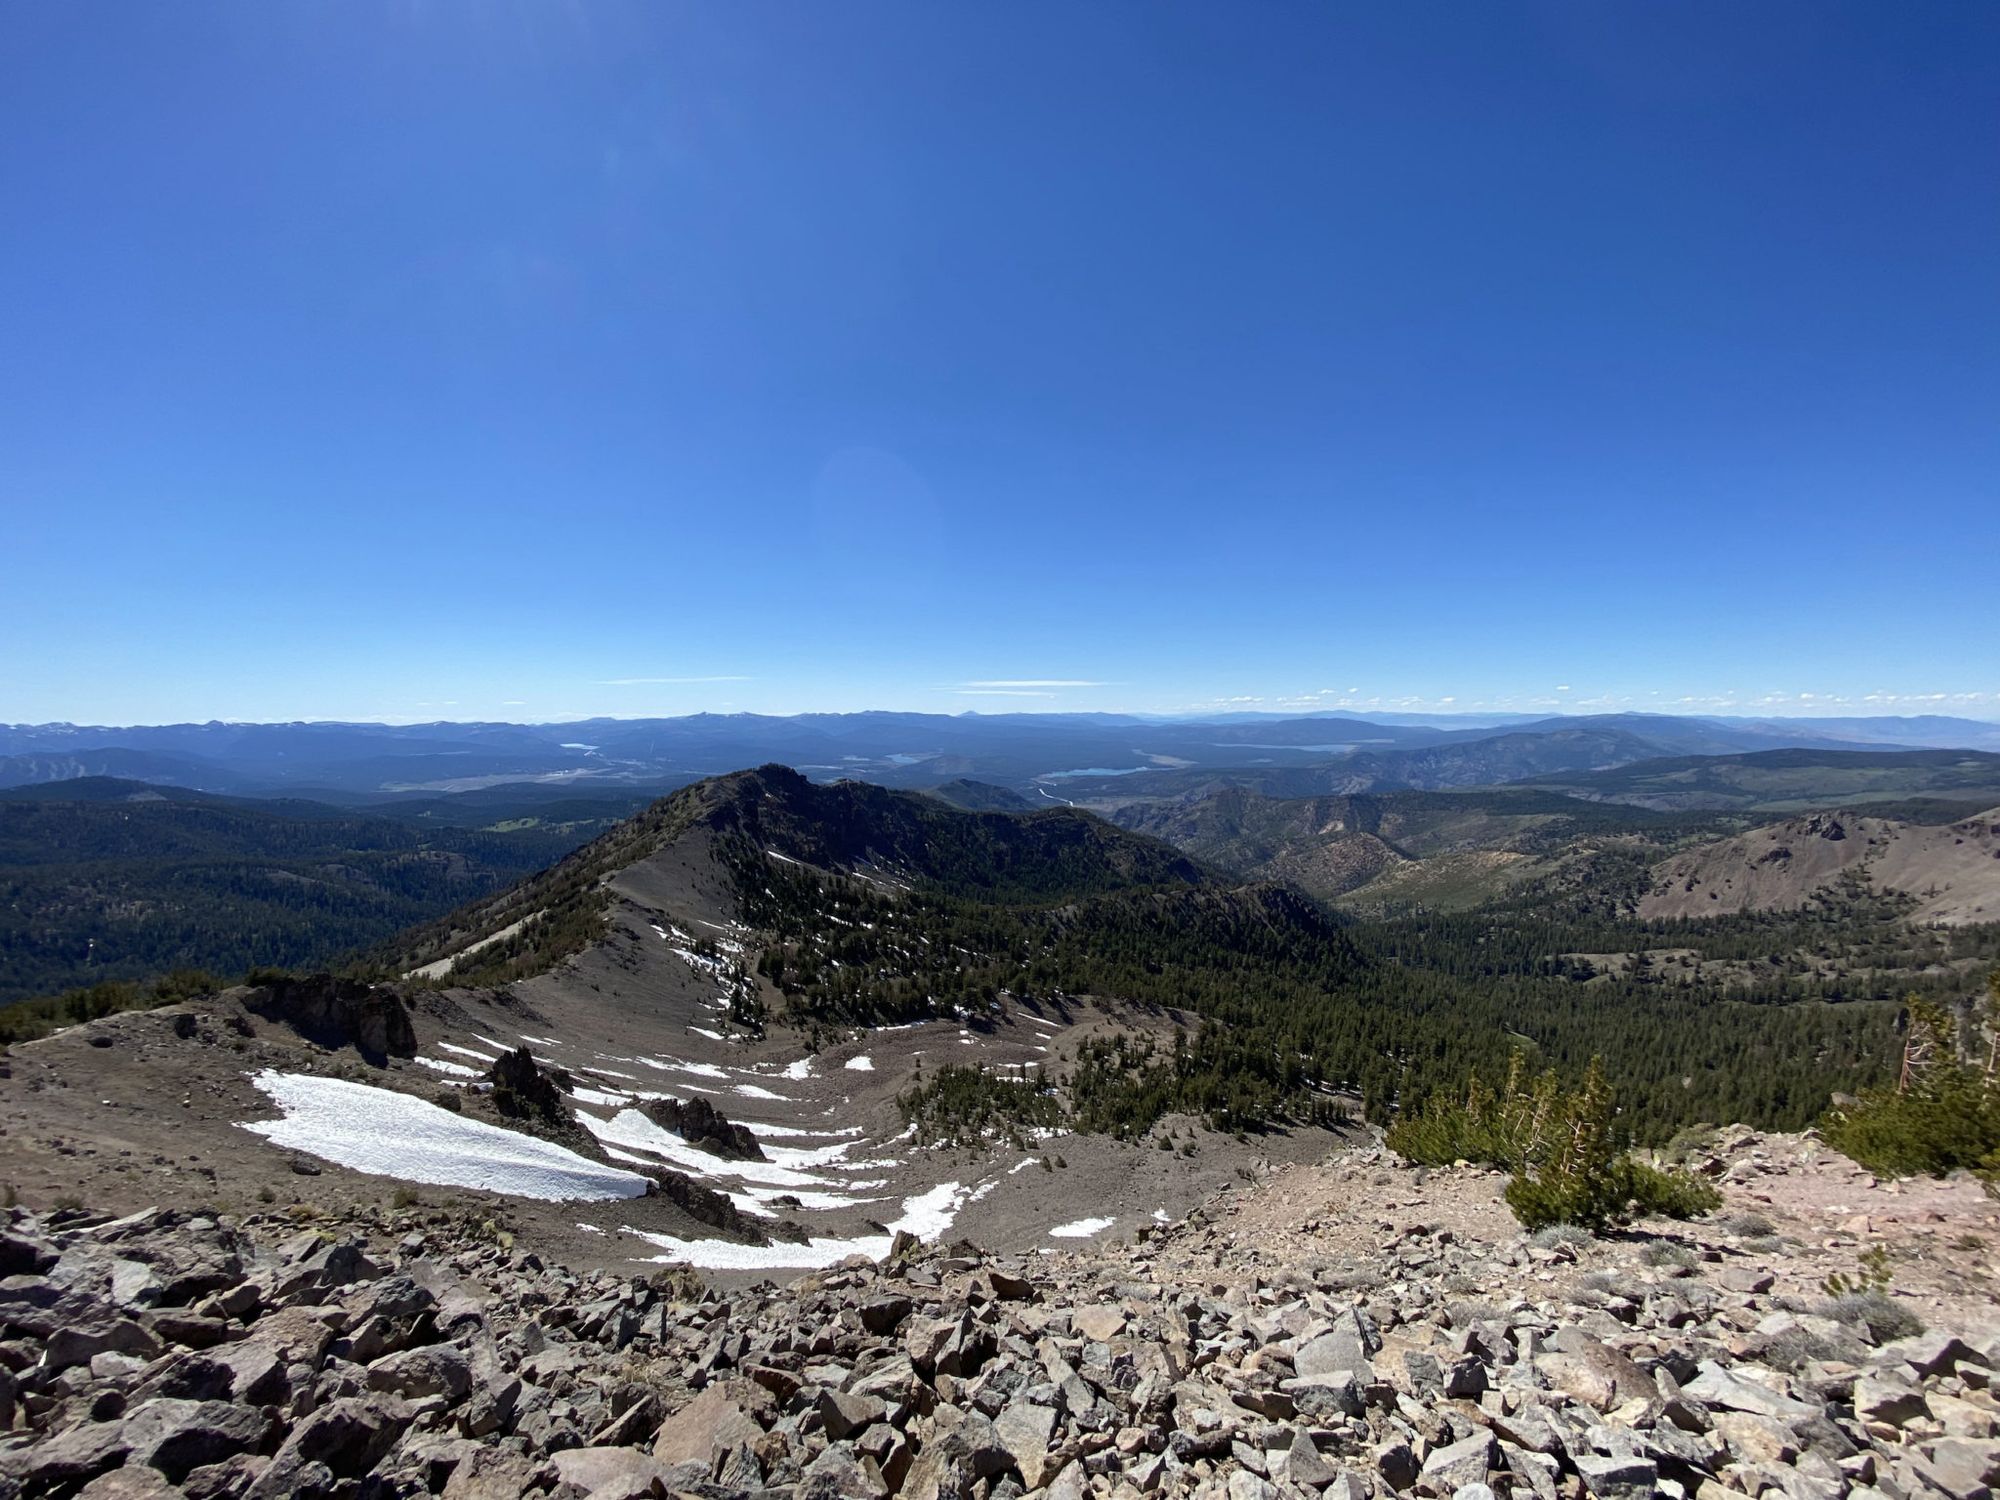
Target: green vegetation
x: 27, y: 1020
x: 1665, y: 1253
x: 1873, y: 1274
x: 1885, y: 1319
x: 1943, y: 1111
x: 1255, y: 1007
x: 1561, y: 1145
x: 959, y: 1106
x: 95, y: 889
x: 1286, y: 1007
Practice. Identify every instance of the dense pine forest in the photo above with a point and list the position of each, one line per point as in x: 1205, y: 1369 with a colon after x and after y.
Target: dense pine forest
x: 1284, y: 1010
x: 96, y: 891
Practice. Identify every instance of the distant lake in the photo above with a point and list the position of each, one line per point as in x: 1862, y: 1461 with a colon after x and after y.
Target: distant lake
x: 1096, y: 771
x: 1317, y: 749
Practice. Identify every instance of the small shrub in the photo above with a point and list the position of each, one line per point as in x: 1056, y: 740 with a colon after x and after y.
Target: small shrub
x: 1466, y: 1314
x: 1872, y: 1274
x: 1559, y: 1237
x: 1763, y: 1244
x: 1795, y: 1348
x: 1689, y: 1142
x: 1667, y: 1253
x: 1746, y: 1225
x: 1669, y: 1195
x: 1885, y: 1319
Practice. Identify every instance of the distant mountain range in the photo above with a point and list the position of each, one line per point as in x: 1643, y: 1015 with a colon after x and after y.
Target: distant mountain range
x: 1045, y: 757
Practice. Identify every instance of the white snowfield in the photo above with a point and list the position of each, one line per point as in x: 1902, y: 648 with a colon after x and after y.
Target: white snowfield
x: 860, y: 1065
x: 1081, y: 1229
x: 927, y: 1216
x: 788, y: 1167
x: 396, y: 1135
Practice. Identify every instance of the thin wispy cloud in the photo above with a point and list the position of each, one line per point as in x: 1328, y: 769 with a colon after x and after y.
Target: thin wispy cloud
x: 1001, y: 692
x: 663, y: 681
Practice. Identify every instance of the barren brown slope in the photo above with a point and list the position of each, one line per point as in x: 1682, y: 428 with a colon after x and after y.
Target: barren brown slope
x: 1952, y: 872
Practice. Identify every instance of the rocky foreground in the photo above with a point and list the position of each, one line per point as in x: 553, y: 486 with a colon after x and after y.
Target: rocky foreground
x: 1349, y: 1330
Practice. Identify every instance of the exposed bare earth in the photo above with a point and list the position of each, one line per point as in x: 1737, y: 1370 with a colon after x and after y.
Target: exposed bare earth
x: 1952, y: 872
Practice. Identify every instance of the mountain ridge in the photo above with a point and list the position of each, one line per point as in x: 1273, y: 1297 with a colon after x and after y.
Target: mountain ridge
x: 1020, y: 751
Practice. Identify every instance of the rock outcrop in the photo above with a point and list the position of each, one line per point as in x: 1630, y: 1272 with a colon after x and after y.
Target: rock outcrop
x: 336, y: 1013
x: 700, y: 1123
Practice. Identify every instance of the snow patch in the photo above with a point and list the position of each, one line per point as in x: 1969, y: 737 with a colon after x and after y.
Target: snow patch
x: 758, y: 1127
x: 634, y: 1132
x: 927, y: 1216
x: 397, y: 1135
x: 859, y: 1065
x: 439, y: 1065
x: 1082, y: 1229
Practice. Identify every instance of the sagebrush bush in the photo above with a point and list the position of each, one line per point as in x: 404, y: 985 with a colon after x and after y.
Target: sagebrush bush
x: 1795, y: 1348
x: 1885, y: 1318
x: 1559, y: 1236
x: 1750, y: 1225
x: 1666, y: 1253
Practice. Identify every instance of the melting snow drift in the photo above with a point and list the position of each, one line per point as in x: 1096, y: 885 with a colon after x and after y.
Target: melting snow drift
x: 395, y: 1135
x: 1082, y: 1229
x: 927, y: 1216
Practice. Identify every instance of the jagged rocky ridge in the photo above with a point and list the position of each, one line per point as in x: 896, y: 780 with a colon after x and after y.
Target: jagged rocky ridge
x: 169, y: 1354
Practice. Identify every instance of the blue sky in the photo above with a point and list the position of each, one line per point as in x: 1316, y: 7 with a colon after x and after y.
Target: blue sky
x: 422, y: 360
